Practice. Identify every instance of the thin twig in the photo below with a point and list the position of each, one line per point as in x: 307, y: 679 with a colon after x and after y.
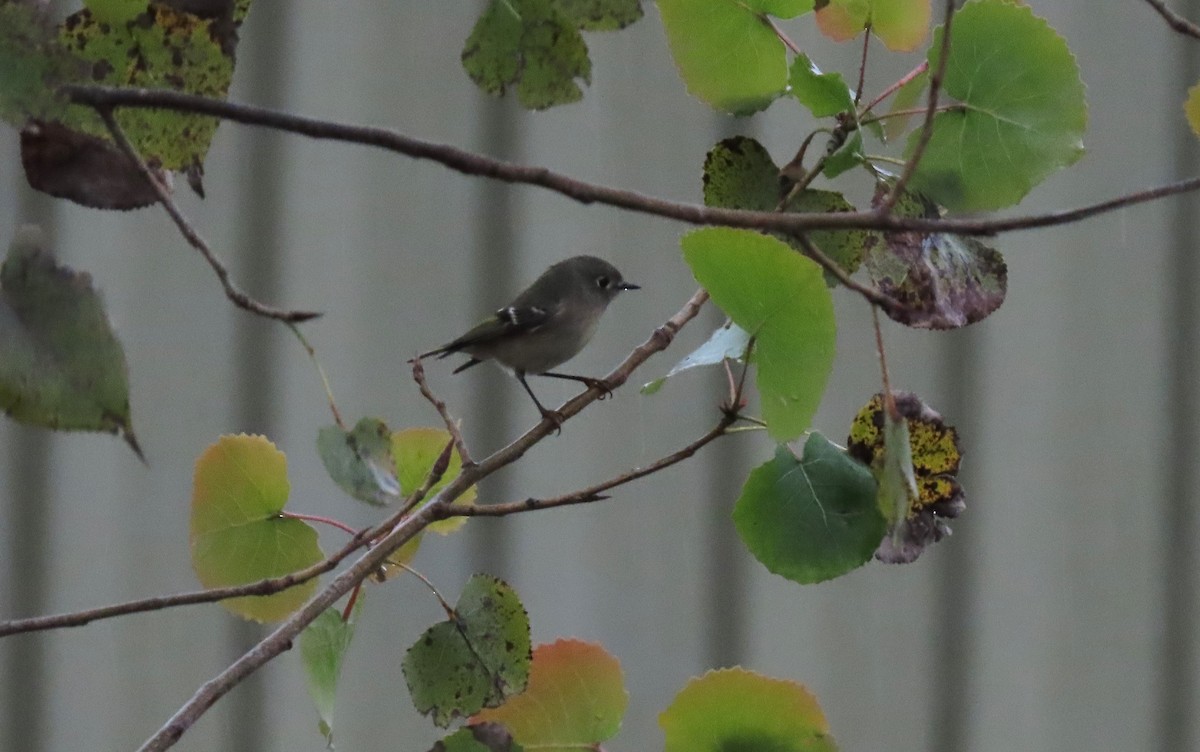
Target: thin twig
x: 1174, y: 20
x: 595, y: 493
x: 162, y: 602
x: 895, y: 86
x: 873, y: 296
x: 418, y: 372
x: 935, y: 88
x: 319, y: 519
x: 862, y: 66
x: 312, y: 355
x: 470, y: 163
x: 232, y: 291
x: 795, y: 48
x: 889, y: 401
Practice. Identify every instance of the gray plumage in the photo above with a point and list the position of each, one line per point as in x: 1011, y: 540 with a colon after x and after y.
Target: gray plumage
x: 547, y: 324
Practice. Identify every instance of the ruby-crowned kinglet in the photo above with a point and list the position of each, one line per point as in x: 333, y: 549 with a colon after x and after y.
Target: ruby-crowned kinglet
x: 546, y: 325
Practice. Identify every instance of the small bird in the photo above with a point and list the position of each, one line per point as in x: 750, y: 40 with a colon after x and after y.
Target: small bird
x: 546, y: 325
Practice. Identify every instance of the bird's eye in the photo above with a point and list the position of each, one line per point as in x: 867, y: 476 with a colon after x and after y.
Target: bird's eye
x: 603, y: 282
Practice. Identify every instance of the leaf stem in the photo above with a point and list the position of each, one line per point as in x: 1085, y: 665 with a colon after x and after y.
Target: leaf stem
x: 320, y: 519
x: 312, y: 355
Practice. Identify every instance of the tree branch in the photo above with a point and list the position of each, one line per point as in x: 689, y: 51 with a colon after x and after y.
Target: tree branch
x: 593, y: 493
x: 158, y: 603
x: 232, y: 291
x: 1174, y: 20
x: 398, y: 532
x: 935, y: 88
x: 418, y: 373
x: 470, y: 163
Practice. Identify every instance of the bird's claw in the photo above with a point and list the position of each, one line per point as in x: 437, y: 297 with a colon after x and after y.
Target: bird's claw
x: 554, y: 417
x: 600, y: 385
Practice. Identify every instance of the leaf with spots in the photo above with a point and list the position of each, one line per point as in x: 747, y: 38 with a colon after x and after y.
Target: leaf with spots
x: 602, y: 15
x: 531, y: 44
x: 740, y: 174
x: 915, y: 459
x: 476, y: 659
x: 943, y: 281
x: 575, y: 699
x: 61, y: 365
x: 161, y: 48
x: 810, y: 518
x: 735, y: 709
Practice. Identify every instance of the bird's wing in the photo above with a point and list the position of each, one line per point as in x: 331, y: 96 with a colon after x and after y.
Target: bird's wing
x: 504, y: 323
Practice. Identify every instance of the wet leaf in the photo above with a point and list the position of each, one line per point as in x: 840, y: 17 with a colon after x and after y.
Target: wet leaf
x: 944, y: 281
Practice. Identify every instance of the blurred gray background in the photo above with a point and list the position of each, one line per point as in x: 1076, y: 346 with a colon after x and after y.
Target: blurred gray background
x: 1062, y: 615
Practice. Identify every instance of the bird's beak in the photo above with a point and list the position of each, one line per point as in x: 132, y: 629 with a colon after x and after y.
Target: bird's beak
x: 630, y: 286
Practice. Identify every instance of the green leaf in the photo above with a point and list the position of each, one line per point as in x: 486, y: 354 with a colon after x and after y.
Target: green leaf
x: 323, y: 646
x: 824, y: 94
x: 726, y: 52
x: 416, y: 451
x: 479, y: 737
x: 899, y: 24
x: 728, y: 342
x: 237, y: 534
x: 740, y: 174
x: 735, y: 710
x: 944, y: 281
x: 846, y: 247
x: 360, y: 461
x: 476, y: 660
x: 531, y: 44
x: 905, y: 99
x: 846, y: 157
x: 116, y: 11
x: 916, y: 462
x: 1191, y: 109
x: 810, y: 519
x: 1024, y: 115
x: 602, y: 15
x: 780, y: 297
x: 61, y: 365
x: 159, y: 49
x: 575, y: 699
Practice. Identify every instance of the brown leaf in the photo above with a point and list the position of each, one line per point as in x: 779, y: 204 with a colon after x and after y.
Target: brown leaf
x: 83, y: 168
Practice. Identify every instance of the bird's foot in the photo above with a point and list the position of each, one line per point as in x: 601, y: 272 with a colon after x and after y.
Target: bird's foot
x: 600, y: 385
x: 554, y: 417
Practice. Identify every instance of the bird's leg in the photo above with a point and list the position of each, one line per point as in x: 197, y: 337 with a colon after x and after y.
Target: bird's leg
x: 599, y: 384
x: 552, y: 415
